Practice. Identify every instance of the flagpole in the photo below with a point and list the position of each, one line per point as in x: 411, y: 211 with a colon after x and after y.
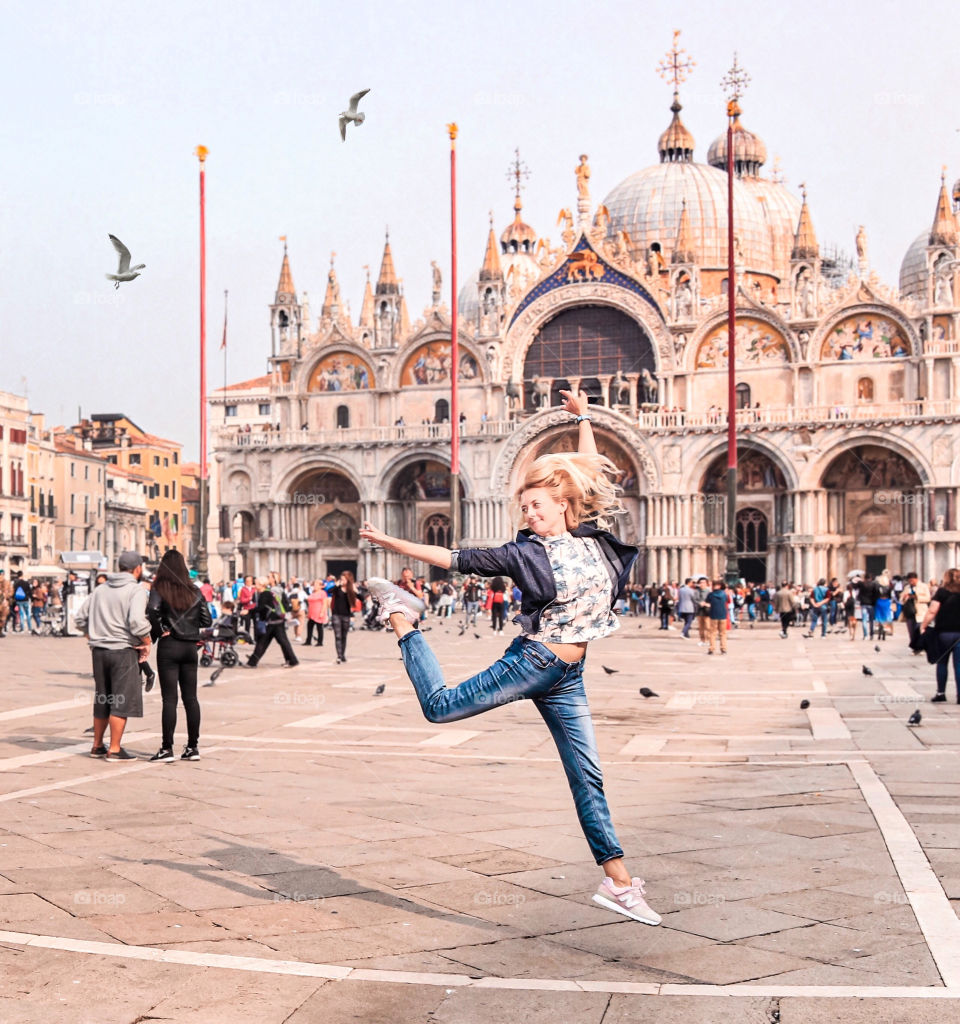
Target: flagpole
x: 224, y: 347
x: 201, y: 553
x: 455, y: 525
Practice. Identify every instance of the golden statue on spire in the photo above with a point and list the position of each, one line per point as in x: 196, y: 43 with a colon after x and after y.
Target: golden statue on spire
x: 677, y: 64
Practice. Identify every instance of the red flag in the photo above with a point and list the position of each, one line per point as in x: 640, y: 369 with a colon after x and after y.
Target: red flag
x: 223, y: 344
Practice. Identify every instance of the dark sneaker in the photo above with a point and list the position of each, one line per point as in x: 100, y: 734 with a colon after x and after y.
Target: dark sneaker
x: 163, y: 755
x: 150, y: 677
x: 938, y: 698
x: 190, y: 754
x: 100, y: 751
x: 120, y: 755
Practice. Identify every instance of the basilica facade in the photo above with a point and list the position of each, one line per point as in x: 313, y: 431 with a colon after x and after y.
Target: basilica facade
x: 848, y: 389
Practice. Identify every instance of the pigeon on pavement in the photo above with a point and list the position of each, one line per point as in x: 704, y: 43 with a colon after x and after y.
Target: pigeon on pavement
x: 379, y: 689
x: 804, y: 704
x: 351, y: 113
x: 645, y: 691
x: 914, y: 719
x: 866, y: 671
x: 876, y: 647
x: 124, y: 271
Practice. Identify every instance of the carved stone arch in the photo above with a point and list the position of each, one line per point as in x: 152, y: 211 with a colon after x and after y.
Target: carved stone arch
x: 699, y: 465
x: 308, y: 461
x: 441, y: 336
x: 814, y: 472
x: 238, y: 476
x: 838, y: 315
x: 613, y: 423
x: 309, y: 365
x: 522, y: 332
x: 751, y: 312
x: 420, y: 454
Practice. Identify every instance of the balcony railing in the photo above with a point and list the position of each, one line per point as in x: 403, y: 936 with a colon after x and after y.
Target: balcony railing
x: 13, y: 541
x: 360, y: 435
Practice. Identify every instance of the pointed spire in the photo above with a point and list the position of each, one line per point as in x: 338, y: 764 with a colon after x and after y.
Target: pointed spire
x: 676, y: 142
x: 805, y: 245
x: 387, y: 282
x: 491, y: 270
x: 366, y: 310
x: 403, y: 319
x: 285, y: 285
x: 683, y: 251
x: 331, y: 301
x: 944, y: 230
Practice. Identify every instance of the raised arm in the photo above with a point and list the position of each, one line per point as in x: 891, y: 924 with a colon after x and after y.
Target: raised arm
x: 577, y: 404
x: 430, y: 553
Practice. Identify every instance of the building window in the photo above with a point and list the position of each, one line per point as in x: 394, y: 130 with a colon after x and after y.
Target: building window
x: 73, y: 507
x: 231, y: 410
x: 865, y: 389
x: 86, y: 472
x: 184, y: 517
x: 135, y: 459
x: 174, y: 486
x: 343, y: 416
x: 72, y: 546
x: 264, y: 408
x: 156, y: 460
x: 176, y: 458
x: 166, y: 463
x: 73, y: 472
x: 441, y: 411
x: 166, y: 490
x: 99, y: 477
x: 751, y: 531
x: 337, y: 528
x: 437, y: 530
x: 743, y: 396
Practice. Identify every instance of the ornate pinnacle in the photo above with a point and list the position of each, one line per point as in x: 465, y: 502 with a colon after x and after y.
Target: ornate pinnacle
x: 734, y: 83
x: 518, y: 172
x: 677, y: 64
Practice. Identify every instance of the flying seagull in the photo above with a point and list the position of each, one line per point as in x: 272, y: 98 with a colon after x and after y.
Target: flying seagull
x: 351, y: 113
x: 124, y: 271
x: 645, y: 692
x: 866, y: 671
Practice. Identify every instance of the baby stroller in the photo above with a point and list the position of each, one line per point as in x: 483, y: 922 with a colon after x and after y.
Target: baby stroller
x: 219, y: 644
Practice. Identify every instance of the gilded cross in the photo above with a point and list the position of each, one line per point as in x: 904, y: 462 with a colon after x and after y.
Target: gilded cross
x: 677, y: 64
x: 518, y: 172
x: 735, y: 81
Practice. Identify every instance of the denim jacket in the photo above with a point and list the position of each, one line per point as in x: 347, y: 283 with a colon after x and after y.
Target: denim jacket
x: 526, y: 562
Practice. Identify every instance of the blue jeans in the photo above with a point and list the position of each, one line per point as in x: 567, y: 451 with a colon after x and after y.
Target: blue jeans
x: 687, y: 619
x: 527, y: 669
x: 868, y: 613
x: 470, y: 609
x: 24, y: 609
x: 950, y: 645
x: 821, y: 614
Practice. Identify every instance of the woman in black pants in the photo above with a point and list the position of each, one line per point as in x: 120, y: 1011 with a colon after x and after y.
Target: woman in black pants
x: 343, y: 598
x: 177, y: 612
x: 498, y: 606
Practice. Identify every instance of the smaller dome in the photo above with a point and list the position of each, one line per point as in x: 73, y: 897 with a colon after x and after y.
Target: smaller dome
x: 749, y: 152
x: 467, y: 302
x: 676, y: 143
x: 913, y: 269
x: 518, y: 236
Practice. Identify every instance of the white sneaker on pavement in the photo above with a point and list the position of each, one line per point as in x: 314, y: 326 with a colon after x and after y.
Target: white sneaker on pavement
x: 392, y: 598
x: 627, y: 900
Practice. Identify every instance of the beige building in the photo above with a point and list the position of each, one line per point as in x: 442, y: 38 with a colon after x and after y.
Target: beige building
x: 14, y: 497
x: 80, y: 493
x: 125, y: 524
x: 848, y: 387
x: 41, y: 485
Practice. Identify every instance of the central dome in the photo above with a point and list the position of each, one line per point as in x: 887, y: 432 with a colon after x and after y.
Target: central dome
x: 647, y: 206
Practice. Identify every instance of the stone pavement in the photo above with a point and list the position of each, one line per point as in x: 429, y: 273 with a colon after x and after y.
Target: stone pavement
x: 335, y: 857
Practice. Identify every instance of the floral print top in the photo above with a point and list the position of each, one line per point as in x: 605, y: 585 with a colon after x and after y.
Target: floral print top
x: 582, y: 609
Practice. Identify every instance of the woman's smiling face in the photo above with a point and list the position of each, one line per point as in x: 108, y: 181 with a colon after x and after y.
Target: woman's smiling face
x: 542, y: 512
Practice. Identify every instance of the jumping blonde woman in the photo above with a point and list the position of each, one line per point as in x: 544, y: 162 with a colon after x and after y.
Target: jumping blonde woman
x: 570, y: 571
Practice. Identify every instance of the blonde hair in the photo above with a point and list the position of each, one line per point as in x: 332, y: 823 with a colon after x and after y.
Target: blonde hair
x: 585, y: 482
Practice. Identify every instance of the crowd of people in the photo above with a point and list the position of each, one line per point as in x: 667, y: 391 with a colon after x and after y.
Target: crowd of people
x: 29, y: 604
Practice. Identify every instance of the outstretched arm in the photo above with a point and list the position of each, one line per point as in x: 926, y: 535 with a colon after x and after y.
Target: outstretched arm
x: 577, y: 404
x: 429, y: 553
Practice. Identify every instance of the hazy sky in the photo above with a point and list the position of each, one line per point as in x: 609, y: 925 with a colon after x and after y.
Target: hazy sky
x: 105, y: 102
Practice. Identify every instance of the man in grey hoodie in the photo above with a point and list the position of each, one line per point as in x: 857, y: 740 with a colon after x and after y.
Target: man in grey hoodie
x: 114, y: 617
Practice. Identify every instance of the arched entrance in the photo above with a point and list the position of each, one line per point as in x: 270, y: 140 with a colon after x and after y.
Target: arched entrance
x: 418, y: 504
x: 320, y: 523
x: 586, y: 343
x: 765, y: 515
x: 875, y: 503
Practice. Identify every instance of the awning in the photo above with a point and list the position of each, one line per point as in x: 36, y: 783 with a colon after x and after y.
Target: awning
x: 44, y: 570
x: 78, y: 561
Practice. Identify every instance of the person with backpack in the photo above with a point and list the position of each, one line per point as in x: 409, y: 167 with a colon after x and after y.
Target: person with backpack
x: 22, y: 595
x: 270, y: 623
x: 177, y: 611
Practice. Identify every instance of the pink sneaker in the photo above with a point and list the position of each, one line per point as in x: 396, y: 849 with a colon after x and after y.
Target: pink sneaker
x: 392, y: 598
x: 627, y: 900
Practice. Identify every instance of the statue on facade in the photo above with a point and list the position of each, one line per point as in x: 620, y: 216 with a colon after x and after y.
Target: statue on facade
x: 943, y: 290
x: 437, y: 282
x: 621, y: 389
x: 806, y: 298
x: 583, y: 177
x: 684, y: 300
x: 862, y: 244
x: 651, y: 388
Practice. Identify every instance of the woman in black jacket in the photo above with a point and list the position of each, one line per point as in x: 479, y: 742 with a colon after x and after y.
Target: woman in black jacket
x: 343, y: 599
x: 177, y: 612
